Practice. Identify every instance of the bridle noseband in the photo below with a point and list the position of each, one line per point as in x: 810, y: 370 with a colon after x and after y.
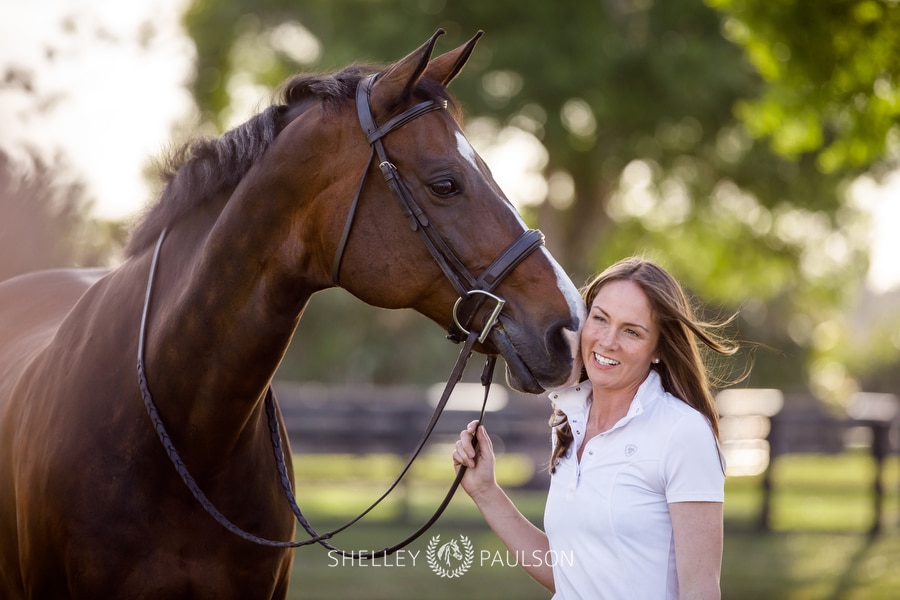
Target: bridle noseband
x: 473, y: 292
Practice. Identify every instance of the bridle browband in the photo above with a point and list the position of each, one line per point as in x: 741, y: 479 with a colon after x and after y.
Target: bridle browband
x: 477, y: 289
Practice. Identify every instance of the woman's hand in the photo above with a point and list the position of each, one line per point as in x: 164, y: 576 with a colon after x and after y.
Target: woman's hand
x: 516, y: 532
x: 479, y: 461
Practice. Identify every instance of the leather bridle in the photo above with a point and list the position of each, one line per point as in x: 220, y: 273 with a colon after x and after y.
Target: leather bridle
x: 473, y: 292
x: 467, y: 286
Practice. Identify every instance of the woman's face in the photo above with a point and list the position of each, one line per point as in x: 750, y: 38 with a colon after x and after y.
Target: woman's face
x: 619, y: 339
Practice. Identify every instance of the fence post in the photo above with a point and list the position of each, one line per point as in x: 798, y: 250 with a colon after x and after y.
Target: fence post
x: 747, y: 431
x: 764, y: 523
x: 877, y: 412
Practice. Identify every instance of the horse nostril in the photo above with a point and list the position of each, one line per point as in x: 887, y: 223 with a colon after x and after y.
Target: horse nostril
x: 562, y: 341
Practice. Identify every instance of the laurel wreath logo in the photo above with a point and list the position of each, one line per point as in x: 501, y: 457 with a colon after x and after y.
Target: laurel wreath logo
x: 441, y: 557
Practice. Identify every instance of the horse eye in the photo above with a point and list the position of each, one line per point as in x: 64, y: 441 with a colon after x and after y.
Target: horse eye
x: 444, y: 187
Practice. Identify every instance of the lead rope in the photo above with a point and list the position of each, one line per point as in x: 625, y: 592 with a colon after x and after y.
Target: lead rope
x: 486, y: 378
x: 274, y: 430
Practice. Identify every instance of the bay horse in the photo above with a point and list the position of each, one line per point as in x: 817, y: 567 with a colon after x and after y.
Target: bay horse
x: 255, y: 222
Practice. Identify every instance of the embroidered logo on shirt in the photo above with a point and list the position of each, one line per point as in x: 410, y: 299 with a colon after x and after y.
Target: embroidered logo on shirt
x: 630, y: 449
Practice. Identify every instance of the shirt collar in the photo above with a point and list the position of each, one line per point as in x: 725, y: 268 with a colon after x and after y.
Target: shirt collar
x: 575, y: 400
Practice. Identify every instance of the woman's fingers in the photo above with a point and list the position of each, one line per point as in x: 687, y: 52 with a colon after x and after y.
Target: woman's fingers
x: 464, y: 452
x: 460, y: 455
x: 484, y: 439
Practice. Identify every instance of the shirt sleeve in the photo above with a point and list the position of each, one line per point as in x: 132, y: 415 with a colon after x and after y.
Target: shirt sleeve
x: 692, y: 467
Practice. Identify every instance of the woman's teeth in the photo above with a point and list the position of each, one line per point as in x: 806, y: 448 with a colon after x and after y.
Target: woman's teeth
x: 605, y: 361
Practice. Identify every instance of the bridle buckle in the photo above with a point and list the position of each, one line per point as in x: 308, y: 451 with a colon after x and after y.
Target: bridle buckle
x: 491, y: 320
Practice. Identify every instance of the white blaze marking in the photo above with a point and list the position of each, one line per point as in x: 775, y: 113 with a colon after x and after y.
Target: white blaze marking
x: 468, y: 153
x: 577, y: 309
x: 563, y: 283
x: 466, y: 150
x: 568, y: 289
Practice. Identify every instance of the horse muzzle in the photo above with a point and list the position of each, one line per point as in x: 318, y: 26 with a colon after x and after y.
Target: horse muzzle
x: 536, y: 363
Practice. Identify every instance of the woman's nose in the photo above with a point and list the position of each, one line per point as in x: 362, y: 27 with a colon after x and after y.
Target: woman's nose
x: 607, y: 337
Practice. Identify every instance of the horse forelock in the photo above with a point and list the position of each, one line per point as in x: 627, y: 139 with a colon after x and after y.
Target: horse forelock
x: 204, y: 169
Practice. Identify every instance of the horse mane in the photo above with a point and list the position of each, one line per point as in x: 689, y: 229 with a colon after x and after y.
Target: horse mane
x: 204, y: 169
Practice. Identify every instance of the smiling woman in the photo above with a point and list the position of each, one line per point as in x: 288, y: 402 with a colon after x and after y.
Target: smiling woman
x: 636, y: 464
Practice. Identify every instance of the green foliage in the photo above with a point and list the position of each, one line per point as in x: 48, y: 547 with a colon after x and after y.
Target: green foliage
x: 649, y: 116
x: 831, y: 73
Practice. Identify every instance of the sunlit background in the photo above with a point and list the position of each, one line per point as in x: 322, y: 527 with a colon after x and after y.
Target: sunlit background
x: 96, y: 91
x: 114, y: 88
x: 112, y: 80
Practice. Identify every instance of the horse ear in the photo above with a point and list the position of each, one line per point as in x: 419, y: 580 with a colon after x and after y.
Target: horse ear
x: 447, y: 66
x: 396, y: 83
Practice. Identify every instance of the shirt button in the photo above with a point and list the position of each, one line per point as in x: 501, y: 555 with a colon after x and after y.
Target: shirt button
x: 591, y: 452
x: 578, y: 431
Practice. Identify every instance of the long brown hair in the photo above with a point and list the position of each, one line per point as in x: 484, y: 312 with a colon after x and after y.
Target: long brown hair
x: 685, y: 368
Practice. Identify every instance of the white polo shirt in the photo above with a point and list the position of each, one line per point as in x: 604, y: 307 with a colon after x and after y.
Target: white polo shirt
x: 607, y: 517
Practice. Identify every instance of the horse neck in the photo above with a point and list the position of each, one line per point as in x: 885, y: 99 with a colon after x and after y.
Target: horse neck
x: 220, y: 331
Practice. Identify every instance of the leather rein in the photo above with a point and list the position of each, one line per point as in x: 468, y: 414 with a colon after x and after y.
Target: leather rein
x: 473, y: 292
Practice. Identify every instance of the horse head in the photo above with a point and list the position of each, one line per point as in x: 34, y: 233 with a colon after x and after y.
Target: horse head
x: 448, y: 551
x: 427, y: 178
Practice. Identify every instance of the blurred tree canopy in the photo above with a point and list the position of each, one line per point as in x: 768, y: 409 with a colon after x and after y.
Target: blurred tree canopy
x: 651, y: 119
x: 831, y: 77
x: 44, y: 200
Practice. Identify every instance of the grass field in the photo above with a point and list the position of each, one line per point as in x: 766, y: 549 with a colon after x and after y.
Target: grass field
x: 819, y: 547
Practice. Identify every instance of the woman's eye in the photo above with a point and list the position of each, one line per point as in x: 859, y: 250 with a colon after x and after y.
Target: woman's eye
x: 444, y: 187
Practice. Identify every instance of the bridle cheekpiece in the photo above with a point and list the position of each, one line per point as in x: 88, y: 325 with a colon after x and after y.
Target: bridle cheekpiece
x: 472, y: 291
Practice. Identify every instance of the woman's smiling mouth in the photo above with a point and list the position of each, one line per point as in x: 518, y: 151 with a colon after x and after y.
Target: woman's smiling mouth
x: 604, y: 360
